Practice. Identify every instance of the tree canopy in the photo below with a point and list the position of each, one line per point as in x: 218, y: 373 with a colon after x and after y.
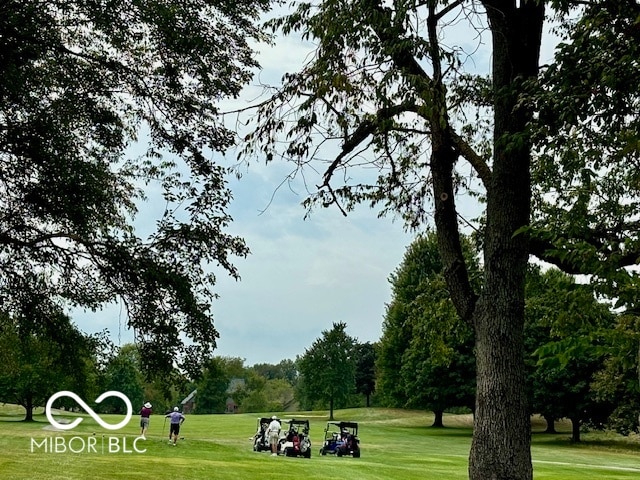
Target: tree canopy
x: 327, y: 368
x: 80, y: 84
x: 35, y: 366
x: 426, y: 350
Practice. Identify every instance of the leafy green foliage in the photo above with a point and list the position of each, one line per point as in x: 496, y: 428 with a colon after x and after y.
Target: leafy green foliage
x: 564, y: 346
x: 586, y: 172
x: 34, y: 367
x: 124, y: 374
x: 365, y: 370
x: 327, y: 368
x: 212, y: 387
x: 426, y: 351
x: 286, y: 370
x: 618, y: 382
x: 79, y: 84
x: 365, y: 90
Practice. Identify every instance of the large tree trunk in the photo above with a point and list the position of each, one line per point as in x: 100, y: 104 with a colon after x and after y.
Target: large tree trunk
x: 575, y: 429
x: 28, y: 406
x: 551, y: 424
x: 437, y: 421
x: 501, y: 445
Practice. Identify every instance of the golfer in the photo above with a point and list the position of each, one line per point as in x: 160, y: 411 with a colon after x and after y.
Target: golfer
x: 273, y: 431
x: 145, y: 413
x: 177, y: 419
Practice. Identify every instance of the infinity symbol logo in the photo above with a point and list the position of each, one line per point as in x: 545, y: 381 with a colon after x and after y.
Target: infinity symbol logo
x: 76, y: 422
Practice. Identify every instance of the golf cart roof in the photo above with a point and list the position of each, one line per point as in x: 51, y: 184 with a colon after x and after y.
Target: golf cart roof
x: 293, y: 421
x: 267, y: 420
x: 344, y: 424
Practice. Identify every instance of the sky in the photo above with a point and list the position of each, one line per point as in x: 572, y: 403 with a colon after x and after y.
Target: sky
x: 302, y: 275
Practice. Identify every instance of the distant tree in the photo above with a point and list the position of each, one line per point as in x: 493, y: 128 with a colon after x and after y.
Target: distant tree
x: 421, y: 261
x: 393, y: 343
x: 437, y: 385
x: 540, y: 309
x: 285, y: 370
x: 570, y: 386
x: 82, y: 82
x: 124, y: 374
x: 327, y: 368
x: 618, y: 382
x: 34, y: 367
x: 564, y: 339
x: 288, y: 370
x: 212, y: 387
x: 255, y: 398
x: 365, y: 370
x: 426, y: 358
x: 233, y: 366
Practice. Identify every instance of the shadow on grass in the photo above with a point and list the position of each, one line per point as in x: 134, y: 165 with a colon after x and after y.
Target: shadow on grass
x: 589, y: 440
x: 453, y: 432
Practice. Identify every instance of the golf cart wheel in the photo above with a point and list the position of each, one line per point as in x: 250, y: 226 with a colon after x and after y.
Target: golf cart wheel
x: 322, y: 452
x: 307, y: 454
x: 356, y: 454
x: 338, y: 453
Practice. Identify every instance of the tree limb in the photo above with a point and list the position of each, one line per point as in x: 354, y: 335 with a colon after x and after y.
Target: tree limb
x: 477, y: 162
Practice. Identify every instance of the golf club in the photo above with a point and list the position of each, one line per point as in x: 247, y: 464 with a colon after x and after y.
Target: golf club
x: 163, y: 425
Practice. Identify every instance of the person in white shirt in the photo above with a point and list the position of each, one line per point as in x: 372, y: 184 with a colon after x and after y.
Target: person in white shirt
x: 273, y: 431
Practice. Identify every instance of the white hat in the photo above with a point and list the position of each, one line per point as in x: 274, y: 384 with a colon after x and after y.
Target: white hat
x: 175, y: 409
x: 147, y: 405
x: 274, y: 418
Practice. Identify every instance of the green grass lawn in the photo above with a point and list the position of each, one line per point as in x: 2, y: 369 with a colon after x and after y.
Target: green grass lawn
x: 395, y: 444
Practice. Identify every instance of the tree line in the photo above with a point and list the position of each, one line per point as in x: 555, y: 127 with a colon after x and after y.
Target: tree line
x: 575, y: 368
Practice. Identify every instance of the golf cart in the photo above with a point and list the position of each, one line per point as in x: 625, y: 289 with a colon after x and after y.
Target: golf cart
x: 261, y: 439
x: 341, y: 438
x: 296, y: 442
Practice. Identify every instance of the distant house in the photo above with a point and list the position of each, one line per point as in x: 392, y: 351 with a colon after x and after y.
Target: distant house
x: 189, y: 402
x: 234, y: 385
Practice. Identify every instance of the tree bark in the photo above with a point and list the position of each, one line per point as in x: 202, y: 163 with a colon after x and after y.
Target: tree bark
x: 575, y: 430
x: 28, y: 406
x: 501, y: 445
x: 551, y: 424
x: 437, y: 421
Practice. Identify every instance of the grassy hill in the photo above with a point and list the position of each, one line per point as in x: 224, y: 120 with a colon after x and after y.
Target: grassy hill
x: 395, y: 444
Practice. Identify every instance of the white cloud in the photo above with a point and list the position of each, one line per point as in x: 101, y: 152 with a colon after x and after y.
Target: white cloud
x: 302, y: 275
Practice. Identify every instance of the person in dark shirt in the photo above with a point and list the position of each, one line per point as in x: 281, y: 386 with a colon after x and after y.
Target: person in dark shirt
x: 145, y: 413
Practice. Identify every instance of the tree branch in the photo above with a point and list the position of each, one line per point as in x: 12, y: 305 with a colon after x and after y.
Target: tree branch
x: 366, y: 128
x: 476, y: 161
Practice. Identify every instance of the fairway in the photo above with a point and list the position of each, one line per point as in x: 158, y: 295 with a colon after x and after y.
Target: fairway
x: 395, y: 444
